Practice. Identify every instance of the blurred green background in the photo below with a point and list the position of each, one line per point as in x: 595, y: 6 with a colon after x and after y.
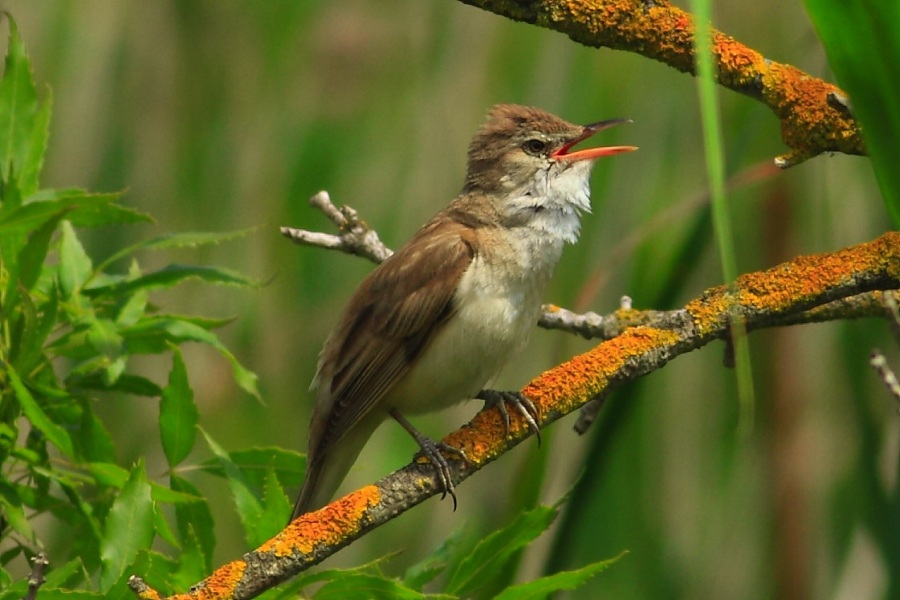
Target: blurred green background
x: 221, y: 115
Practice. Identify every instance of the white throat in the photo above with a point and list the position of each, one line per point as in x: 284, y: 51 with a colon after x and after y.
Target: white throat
x: 550, y: 205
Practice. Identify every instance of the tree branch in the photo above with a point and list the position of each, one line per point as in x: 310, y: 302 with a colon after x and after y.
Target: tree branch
x: 38, y: 564
x: 356, y: 237
x: 815, y: 115
x: 806, y: 284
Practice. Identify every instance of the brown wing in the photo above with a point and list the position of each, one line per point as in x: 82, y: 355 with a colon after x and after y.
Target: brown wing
x: 388, y: 322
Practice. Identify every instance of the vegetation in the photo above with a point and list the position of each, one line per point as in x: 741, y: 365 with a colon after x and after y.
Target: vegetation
x: 126, y: 450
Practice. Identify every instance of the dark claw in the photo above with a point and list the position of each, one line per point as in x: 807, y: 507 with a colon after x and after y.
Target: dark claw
x: 432, y: 451
x: 523, y: 405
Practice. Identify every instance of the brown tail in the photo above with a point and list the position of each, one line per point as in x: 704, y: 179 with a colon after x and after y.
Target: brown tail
x: 326, y: 468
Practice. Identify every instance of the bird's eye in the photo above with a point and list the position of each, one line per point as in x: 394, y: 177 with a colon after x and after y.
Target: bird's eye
x: 534, y: 146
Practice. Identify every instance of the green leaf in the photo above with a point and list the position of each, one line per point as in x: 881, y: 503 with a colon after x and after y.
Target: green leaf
x: 109, y: 474
x: 193, y: 565
x: 161, y: 526
x: 248, y: 507
x: 175, y: 240
x: 74, y: 264
x: 153, y: 334
x: 18, y: 105
x: 424, y: 571
x: 168, y: 277
x: 36, y: 331
x: 365, y: 586
x: 722, y: 219
x: 69, y: 203
x: 104, y: 336
x: 129, y: 384
x: 178, y: 414
x: 24, y: 271
x: 276, y: 507
x: 128, y: 528
x: 63, y: 594
x: 254, y: 463
x: 491, y: 553
x: 155, y: 569
x: 862, y: 42
x: 60, y: 576
x: 565, y: 580
x: 97, y: 214
x: 14, y: 512
x: 114, y: 476
x: 194, y: 521
x: 135, y: 306
x: 29, y: 175
x: 55, y: 434
x: 94, y: 441
x: 31, y: 258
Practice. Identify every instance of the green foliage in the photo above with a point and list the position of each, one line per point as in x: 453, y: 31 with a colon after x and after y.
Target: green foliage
x: 70, y: 332
x: 862, y: 42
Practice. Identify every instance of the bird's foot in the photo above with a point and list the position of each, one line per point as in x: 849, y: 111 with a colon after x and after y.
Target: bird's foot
x: 520, y: 402
x: 432, y: 451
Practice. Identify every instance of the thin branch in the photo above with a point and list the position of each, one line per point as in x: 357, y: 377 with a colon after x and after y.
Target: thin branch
x: 36, y: 579
x: 880, y: 364
x: 815, y: 115
x: 800, y: 285
x: 891, y: 303
x: 878, y: 361
x: 354, y: 237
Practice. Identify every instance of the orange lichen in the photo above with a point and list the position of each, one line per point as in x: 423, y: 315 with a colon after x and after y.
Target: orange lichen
x: 560, y: 390
x: 737, y: 65
x: 709, y: 310
x: 326, y: 526
x: 484, y: 438
x: 810, y: 124
x: 783, y: 287
x: 218, y: 586
x: 629, y: 315
x: 572, y: 383
x: 149, y: 594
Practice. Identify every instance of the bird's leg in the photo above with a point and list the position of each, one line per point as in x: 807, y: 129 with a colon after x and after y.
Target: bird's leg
x: 432, y: 451
x: 523, y: 405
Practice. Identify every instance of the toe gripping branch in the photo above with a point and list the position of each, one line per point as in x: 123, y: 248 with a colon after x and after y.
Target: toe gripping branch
x: 520, y: 402
x: 432, y: 451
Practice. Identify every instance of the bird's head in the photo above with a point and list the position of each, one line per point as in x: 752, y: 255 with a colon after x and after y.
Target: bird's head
x: 525, y: 158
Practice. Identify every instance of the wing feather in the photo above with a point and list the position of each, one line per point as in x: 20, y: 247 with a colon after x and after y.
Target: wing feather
x: 388, y: 323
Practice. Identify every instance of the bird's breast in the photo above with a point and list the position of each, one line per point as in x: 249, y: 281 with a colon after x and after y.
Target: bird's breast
x: 497, y: 303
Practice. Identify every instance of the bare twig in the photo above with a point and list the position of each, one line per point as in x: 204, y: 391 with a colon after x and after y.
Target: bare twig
x: 355, y: 236
x: 880, y: 364
x: 36, y: 579
x: 891, y: 303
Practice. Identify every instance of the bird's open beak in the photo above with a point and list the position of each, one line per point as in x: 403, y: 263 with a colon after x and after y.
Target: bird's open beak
x: 592, y: 153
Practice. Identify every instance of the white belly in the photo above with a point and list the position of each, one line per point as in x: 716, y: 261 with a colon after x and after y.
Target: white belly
x: 497, y: 310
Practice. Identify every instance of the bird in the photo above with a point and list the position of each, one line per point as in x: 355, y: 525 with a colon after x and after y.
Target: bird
x: 437, y: 320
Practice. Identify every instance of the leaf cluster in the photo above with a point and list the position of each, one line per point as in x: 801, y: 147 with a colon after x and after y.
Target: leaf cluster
x: 71, y: 330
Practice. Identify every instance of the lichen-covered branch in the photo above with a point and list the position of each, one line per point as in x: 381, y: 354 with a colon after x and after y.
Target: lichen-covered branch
x: 815, y: 115
x: 356, y: 237
x: 799, y: 286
